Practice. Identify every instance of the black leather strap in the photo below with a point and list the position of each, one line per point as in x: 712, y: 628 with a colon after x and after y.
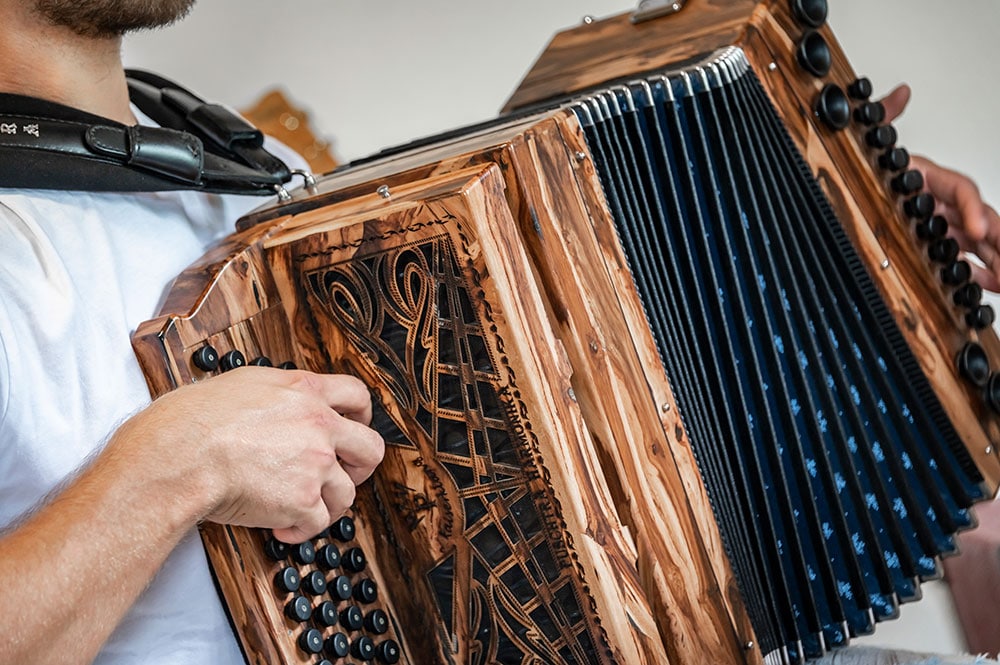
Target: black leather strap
x: 198, y: 146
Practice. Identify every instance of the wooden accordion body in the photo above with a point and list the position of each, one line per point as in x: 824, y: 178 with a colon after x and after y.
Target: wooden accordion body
x: 548, y: 495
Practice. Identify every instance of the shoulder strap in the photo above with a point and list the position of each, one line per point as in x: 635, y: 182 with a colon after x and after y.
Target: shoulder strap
x: 198, y: 146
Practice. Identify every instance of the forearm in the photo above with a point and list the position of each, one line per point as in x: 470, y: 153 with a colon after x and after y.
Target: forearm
x: 70, y: 572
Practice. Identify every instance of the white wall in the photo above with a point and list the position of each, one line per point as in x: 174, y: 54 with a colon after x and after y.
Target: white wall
x: 374, y: 74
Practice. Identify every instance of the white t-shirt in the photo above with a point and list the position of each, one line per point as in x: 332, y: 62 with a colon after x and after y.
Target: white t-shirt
x: 78, y: 273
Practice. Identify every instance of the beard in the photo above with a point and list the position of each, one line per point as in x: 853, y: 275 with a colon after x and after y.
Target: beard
x: 112, y: 18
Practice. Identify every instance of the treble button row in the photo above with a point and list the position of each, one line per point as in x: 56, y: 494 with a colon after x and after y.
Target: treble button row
x: 207, y: 359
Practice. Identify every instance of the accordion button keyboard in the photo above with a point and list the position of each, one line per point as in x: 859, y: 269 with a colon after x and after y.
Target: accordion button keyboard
x: 981, y: 317
x: 896, y: 159
x: 340, y: 587
x: 311, y: 641
x: 261, y: 361
x: 351, y: 618
x: 287, y: 365
x: 354, y: 560
x: 883, y: 136
x: 363, y: 648
x: 328, y: 557
x: 366, y: 591
x: 920, y: 206
x: 974, y: 364
x: 377, y: 622
x: 303, y: 553
x: 314, y: 583
x: 968, y: 295
x: 861, y: 89
x: 325, y: 614
x: 811, y: 13
x: 943, y: 251
x: 298, y: 609
x: 833, y: 107
x: 337, y: 646
x: 343, y: 530
x: 814, y: 54
x: 870, y: 113
x: 956, y: 273
x: 206, y: 358
x: 288, y: 580
x: 275, y: 549
x: 232, y: 360
x: 934, y: 228
x: 387, y: 652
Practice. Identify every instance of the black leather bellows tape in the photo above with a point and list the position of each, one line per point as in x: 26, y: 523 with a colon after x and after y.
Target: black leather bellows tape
x: 199, y: 146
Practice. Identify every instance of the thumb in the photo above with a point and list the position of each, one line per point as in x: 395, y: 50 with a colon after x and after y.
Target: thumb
x: 895, y: 102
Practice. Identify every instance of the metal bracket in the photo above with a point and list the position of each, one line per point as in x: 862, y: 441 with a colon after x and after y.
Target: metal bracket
x: 650, y: 9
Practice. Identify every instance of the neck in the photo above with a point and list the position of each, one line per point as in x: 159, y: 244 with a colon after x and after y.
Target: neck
x: 53, y: 63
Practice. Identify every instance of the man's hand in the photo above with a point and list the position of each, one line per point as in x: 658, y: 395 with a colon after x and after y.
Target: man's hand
x: 972, y: 222
x: 273, y: 448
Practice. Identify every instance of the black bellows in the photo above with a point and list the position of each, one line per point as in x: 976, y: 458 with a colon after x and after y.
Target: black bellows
x: 836, y: 478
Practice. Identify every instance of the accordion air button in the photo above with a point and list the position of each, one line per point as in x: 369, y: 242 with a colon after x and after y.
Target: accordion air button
x: 387, y: 652
x: 993, y: 392
x: 812, y: 13
x: 920, y: 206
x: 943, y: 251
x: 882, y: 136
x: 343, y: 529
x: 262, y: 361
x: 366, y: 591
x: 354, y: 560
x: 833, y: 107
x: 288, y: 580
x: 870, y: 113
x: 337, y: 646
x: 860, y: 89
x: 894, y: 160
x: 973, y: 364
x: 814, y: 54
x: 377, y: 622
x: 328, y: 557
x: 968, y: 295
x: 232, y: 360
x: 981, y: 317
x: 314, y: 583
x: 311, y: 641
x: 298, y: 609
x: 956, y: 273
x: 206, y: 358
x: 303, y: 553
x: 325, y: 614
x: 351, y: 618
x: 363, y: 648
x: 933, y: 228
x: 340, y: 587
x: 275, y: 549
x: 908, y: 182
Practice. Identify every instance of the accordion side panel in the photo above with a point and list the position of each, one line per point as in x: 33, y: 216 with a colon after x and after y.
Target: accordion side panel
x: 874, y: 218
x: 466, y: 517
x: 636, y: 426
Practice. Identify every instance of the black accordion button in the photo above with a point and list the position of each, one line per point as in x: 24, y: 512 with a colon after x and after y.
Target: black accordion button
x: 325, y: 614
x: 387, y: 652
x: 973, y: 364
x: 314, y: 583
x: 337, y: 646
x: 860, y: 89
x: 812, y: 13
x: 896, y: 159
x: 298, y: 609
x: 377, y: 622
x: 206, y: 358
x: 956, y: 273
x: 351, y: 618
x: 993, y: 392
x: 920, y: 206
x: 814, y: 54
x: 328, y: 557
x: 343, y: 529
x: 303, y: 553
x: 287, y: 365
x: 943, y: 251
x: 968, y: 295
x: 908, y: 182
x: 870, y: 113
x: 232, y: 360
x: 275, y: 549
x: 340, y: 587
x: 354, y: 560
x: 882, y: 136
x: 363, y: 648
x: 261, y: 361
x: 311, y: 641
x: 287, y: 580
x: 366, y: 591
x: 833, y: 107
x: 934, y: 228
x: 981, y: 317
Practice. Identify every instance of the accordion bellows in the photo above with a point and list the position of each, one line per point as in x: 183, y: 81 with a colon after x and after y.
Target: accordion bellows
x: 665, y: 373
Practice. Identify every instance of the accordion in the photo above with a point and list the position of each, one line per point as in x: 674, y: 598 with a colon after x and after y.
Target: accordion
x: 673, y: 361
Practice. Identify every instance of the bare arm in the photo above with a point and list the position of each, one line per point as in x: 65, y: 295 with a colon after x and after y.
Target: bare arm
x: 256, y: 447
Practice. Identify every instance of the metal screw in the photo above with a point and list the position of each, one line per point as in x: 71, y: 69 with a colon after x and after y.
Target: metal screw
x: 885, y: 264
x: 383, y: 191
x: 665, y: 407
x: 580, y: 156
x: 593, y: 346
x: 588, y: 19
x: 772, y: 66
x: 989, y: 450
x: 572, y: 395
x: 749, y: 645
